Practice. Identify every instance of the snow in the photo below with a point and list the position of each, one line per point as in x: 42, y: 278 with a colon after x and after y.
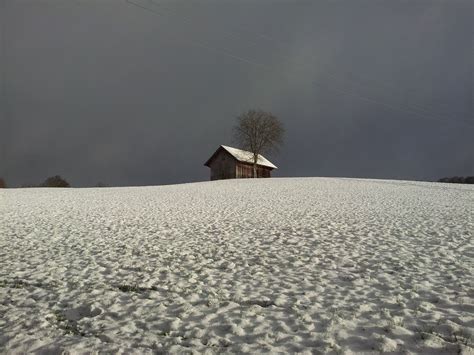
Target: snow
x: 309, y: 265
x: 247, y: 157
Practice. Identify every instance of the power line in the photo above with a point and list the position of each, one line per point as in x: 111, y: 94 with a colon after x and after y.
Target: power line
x: 393, y: 107
x: 187, y: 19
x: 202, y: 44
x: 419, y: 112
x: 337, y: 76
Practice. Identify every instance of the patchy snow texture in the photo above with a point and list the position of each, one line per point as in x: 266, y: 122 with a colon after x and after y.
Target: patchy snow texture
x: 240, y: 266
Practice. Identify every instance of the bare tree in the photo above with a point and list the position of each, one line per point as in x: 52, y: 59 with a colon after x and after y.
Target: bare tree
x: 258, y: 132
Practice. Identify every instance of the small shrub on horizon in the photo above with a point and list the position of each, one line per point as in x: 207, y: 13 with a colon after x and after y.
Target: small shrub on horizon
x: 55, y: 181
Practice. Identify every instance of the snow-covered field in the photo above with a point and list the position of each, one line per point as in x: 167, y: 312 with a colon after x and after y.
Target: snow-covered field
x: 314, y: 265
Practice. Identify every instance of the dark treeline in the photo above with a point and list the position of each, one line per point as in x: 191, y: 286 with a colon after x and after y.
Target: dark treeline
x: 53, y: 181
x: 458, y: 180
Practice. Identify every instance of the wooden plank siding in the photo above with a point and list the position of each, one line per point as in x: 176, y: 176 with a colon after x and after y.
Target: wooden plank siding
x: 224, y: 166
x: 244, y: 171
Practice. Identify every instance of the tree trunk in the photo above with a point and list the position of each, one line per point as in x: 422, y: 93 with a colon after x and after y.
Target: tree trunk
x: 255, y: 158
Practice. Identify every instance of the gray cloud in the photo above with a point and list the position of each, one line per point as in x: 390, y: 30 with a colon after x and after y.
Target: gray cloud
x: 107, y: 91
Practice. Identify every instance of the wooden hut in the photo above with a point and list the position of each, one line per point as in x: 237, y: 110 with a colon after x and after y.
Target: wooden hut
x: 233, y: 163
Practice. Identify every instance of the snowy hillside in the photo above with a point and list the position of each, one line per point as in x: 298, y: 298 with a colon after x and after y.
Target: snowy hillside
x: 248, y: 266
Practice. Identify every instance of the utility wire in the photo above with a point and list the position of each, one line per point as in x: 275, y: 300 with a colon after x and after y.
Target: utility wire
x: 189, y: 20
x: 199, y: 43
x: 361, y: 83
x: 419, y: 112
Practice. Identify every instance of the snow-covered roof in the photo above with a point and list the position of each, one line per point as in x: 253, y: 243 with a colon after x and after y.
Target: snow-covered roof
x: 247, y: 157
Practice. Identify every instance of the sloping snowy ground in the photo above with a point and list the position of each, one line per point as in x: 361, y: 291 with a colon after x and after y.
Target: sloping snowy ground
x: 250, y: 266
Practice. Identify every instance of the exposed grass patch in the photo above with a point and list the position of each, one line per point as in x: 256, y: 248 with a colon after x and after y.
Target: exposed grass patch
x: 393, y: 323
x: 68, y: 326
x: 425, y: 332
x: 459, y: 337
x: 17, y: 283
x: 14, y: 283
x: 462, y: 337
x: 135, y: 288
x: 261, y: 303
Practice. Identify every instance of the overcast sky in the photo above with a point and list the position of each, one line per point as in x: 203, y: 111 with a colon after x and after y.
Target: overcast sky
x: 143, y: 94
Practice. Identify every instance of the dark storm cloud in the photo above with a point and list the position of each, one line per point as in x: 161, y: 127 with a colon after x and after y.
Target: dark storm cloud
x: 109, y: 91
